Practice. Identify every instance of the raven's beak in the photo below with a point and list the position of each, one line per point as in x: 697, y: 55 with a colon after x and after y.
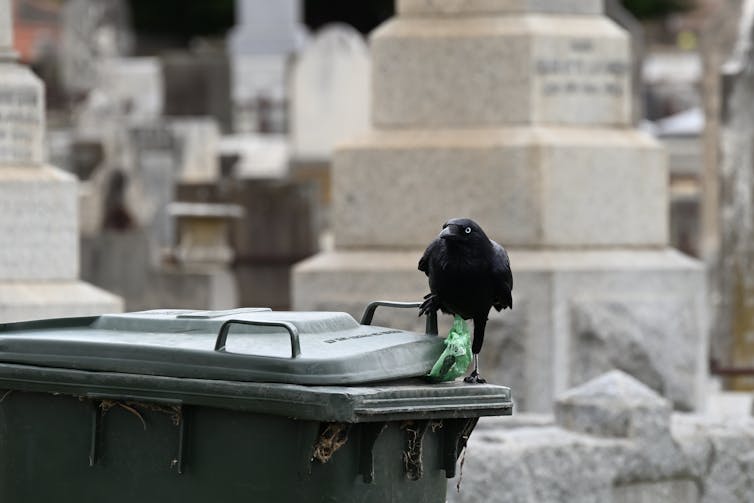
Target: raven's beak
x: 449, y: 232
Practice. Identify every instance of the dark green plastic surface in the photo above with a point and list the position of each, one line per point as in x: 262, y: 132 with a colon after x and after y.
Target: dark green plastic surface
x: 141, y: 407
x: 334, y: 348
x: 227, y: 457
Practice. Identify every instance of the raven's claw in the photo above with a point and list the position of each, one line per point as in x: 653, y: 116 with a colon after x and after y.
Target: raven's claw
x: 474, y: 378
x: 430, y: 304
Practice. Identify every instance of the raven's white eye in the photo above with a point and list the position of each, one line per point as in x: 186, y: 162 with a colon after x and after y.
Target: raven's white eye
x: 467, y: 230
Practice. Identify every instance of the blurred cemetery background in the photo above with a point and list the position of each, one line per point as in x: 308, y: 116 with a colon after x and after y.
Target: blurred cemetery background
x: 205, y: 136
x: 202, y: 136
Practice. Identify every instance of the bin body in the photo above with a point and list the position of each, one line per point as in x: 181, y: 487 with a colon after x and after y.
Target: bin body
x: 94, y: 435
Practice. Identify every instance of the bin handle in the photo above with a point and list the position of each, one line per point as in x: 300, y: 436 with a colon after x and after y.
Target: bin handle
x: 222, y: 335
x: 366, y: 318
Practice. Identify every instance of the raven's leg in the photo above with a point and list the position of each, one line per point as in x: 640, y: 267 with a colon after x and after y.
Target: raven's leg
x: 479, y: 325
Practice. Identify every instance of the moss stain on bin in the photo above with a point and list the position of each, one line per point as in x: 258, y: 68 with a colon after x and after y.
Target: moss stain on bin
x: 333, y: 437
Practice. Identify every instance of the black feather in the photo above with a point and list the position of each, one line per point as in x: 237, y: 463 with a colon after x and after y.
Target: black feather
x: 468, y: 275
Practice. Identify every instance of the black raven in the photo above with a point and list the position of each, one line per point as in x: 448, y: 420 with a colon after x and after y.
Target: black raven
x: 468, y: 274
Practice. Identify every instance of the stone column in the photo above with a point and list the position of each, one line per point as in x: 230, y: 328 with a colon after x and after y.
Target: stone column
x: 517, y: 113
x: 38, y: 207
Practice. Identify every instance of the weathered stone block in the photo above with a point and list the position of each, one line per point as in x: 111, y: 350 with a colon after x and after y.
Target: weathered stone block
x: 660, y: 292
x: 38, y: 224
x: 632, y: 335
x: 680, y: 491
x: 482, y: 71
x: 614, y: 405
x: 536, y: 465
x: 527, y: 187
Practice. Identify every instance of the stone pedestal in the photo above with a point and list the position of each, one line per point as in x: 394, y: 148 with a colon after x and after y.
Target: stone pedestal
x: 518, y: 114
x: 203, y: 230
x: 38, y: 208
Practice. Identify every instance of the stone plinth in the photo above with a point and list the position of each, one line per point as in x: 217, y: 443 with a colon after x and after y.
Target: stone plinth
x: 203, y: 230
x: 29, y: 300
x: 543, y: 186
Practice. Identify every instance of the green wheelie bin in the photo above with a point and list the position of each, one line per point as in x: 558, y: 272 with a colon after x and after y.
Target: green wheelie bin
x: 247, y: 405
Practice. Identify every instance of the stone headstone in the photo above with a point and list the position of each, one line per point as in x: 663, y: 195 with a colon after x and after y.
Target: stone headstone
x: 256, y: 76
x: 135, y: 82
x: 330, y: 97
x: 285, y: 212
x: 60, y: 148
x: 92, y: 31
x: 258, y: 156
x: 157, y: 166
x: 198, y: 140
x: 86, y: 157
x: 197, y: 83
x: 259, y: 92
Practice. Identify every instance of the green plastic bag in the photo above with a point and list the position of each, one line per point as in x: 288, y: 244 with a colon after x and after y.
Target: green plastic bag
x: 455, y: 359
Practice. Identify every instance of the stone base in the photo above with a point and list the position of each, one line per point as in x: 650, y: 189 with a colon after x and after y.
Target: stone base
x: 576, y: 315
x: 31, y: 300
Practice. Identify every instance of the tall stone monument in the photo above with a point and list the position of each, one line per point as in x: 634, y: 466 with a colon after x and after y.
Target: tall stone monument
x: 38, y: 206
x: 266, y: 35
x: 517, y: 113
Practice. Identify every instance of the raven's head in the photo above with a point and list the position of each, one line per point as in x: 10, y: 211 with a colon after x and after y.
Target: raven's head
x: 463, y: 230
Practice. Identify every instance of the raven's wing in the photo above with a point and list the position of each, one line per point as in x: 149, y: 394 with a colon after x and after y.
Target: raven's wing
x: 431, y: 250
x: 502, y: 278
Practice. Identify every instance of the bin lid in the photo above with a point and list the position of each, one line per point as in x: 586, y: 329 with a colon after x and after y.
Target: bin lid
x: 252, y: 345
